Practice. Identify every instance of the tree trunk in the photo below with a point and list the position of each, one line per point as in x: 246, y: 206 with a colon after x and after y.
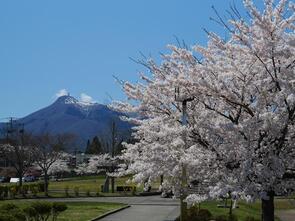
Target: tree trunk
x: 20, y: 177
x: 20, y: 183
x: 113, y: 184
x: 267, y: 207
x: 231, y: 207
x: 106, y: 185
x: 46, y: 183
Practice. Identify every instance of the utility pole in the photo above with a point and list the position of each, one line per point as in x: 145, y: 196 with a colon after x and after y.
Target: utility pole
x: 113, y: 153
x: 183, y: 191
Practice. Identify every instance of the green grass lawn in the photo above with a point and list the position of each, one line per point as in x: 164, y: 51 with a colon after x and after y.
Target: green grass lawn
x: 93, y: 183
x: 86, y: 211
x: 246, y: 209
x: 90, y: 183
x: 77, y: 211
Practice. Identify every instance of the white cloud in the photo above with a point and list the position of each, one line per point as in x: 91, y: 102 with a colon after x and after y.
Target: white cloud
x: 62, y: 92
x: 86, y: 98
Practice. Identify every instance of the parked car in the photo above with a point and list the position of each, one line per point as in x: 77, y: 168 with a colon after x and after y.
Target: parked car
x: 29, y: 179
x: 14, y: 180
x: 4, y: 179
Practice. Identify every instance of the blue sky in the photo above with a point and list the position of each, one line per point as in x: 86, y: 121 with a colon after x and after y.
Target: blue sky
x: 46, y: 46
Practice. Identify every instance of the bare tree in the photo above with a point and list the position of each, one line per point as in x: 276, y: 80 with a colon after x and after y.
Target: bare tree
x: 18, y: 152
x: 48, y: 149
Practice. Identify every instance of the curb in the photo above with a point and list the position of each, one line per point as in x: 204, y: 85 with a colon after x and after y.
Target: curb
x: 109, y: 213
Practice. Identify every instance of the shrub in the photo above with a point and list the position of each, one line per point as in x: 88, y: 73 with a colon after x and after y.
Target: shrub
x: 18, y: 214
x: 97, y: 192
x: 192, y: 212
x: 43, y: 209
x: 204, y: 215
x: 87, y: 192
x: 134, y: 190
x: 57, y: 208
x: 10, y: 211
x: 13, y: 191
x: 5, y: 191
x: 8, y: 207
x: 250, y: 218
x: 67, y: 191
x: 232, y: 217
x: 221, y: 218
x: 34, y: 190
x: 41, y: 187
x: 6, y: 217
x: 30, y: 213
x: 196, y: 214
x: 76, y: 190
x: 24, y: 189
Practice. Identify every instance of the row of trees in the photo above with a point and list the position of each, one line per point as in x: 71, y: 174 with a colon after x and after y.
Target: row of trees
x: 238, y: 94
x: 43, y: 152
x: 99, y: 146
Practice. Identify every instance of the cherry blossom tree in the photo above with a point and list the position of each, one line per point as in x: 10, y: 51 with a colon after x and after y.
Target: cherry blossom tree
x: 239, y: 135
x: 97, y: 164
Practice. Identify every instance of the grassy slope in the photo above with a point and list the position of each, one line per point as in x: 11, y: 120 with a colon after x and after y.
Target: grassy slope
x: 77, y: 211
x: 246, y: 209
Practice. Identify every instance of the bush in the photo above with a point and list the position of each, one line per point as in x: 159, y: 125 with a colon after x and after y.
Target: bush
x: 30, y: 213
x: 232, y: 217
x: 34, y: 190
x: 24, y: 189
x: 196, y: 214
x: 250, y: 218
x: 6, y: 217
x: 57, y: 208
x: 8, y: 207
x: 192, y: 212
x: 221, y: 218
x: 10, y: 211
x: 76, y: 190
x: 204, y: 215
x: 133, y: 191
x: 43, y: 209
x: 67, y: 191
x: 37, y: 211
x: 97, y: 192
x: 13, y: 191
x: 41, y: 187
x: 18, y: 214
x: 88, y: 192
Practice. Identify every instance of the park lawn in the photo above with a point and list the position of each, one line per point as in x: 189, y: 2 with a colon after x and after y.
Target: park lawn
x: 83, y: 211
x: 246, y: 209
x: 91, y: 183
x: 77, y: 211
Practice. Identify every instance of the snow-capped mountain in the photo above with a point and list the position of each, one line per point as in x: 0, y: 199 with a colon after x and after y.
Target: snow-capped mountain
x: 68, y: 115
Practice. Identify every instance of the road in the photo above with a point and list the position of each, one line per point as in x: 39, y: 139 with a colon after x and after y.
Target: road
x: 148, y: 208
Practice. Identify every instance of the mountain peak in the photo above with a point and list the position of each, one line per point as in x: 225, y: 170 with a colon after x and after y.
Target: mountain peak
x: 70, y: 115
x: 66, y: 99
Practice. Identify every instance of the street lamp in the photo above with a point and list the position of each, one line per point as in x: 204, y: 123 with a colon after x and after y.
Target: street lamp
x: 183, y: 191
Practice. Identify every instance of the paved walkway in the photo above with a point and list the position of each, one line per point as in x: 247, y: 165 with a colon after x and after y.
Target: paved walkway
x: 148, y: 208
x: 286, y: 215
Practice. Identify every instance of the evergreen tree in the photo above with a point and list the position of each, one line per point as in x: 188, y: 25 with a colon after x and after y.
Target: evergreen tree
x: 87, y: 150
x: 96, y: 146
